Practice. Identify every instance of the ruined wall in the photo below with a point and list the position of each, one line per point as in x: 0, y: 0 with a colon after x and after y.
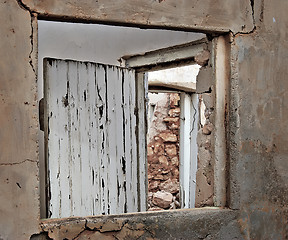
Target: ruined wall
x: 205, y: 166
x: 258, y: 123
x: 19, y: 186
x: 257, y: 118
x: 163, y: 154
x: 205, y: 87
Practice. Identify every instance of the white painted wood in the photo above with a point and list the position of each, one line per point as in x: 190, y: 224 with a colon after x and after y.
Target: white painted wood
x: 166, y: 55
x: 101, y: 115
x: 184, y: 154
x: 94, y: 163
x: 133, y: 136
x: 188, y: 148
x: 142, y: 85
x: 193, y: 148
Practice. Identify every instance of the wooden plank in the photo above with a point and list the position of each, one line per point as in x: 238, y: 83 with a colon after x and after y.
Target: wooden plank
x: 102, y: 136
x: 76, y: 190
x: 142, y: 90
x: 93, y: 143
x: 83, y: 137
x: 185, y: 151
x: 193, y: 148
x: 130, y: 201
x: 112, y: 133
x: 134, y: 159
x: 189, y: 118
x: 120, y: 140
x: 58, y: 139
x: 185, y: 14
x: 53, y: 169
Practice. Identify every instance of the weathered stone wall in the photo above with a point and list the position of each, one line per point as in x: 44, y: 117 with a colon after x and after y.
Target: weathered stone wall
x: 163, y: 154
x: 258, y: 112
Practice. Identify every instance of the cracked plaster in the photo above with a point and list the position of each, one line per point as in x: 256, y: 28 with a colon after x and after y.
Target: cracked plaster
x: 263, y: 42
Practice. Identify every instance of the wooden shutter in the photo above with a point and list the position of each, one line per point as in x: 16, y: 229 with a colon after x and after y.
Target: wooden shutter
x: 94, y: 145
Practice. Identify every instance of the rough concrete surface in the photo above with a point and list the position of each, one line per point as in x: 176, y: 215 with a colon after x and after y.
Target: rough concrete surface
x: 258, y: 123
x: 208, y: 15
x: 19, y: 198
x: 258, y: 117
x: 176, y: 224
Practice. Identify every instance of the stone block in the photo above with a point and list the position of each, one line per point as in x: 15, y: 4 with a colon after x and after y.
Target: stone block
x: 168, y: 137
x: 171, y: 149
x: 175, y: 161
x: 163, y: 160
x: 174, y: 126
x: 174, y: 99
x: 170, y: 119
x: 162, y: 199
x: 150, y: 151
x: 158, y: 148
x: 170, y: 186
x: 174, y: 112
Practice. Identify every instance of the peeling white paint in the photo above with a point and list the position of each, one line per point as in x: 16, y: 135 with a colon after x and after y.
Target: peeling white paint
x: 92, y: 133
x: 189, y: 118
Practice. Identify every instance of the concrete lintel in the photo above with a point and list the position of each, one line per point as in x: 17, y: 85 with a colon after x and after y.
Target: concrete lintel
x: 191, y: 15
x: 177, y: 86
x: 166, y: 55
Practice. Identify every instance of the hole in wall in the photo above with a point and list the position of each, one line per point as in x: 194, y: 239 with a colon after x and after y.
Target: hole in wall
x: 105, y: 45
x: 169, y: 120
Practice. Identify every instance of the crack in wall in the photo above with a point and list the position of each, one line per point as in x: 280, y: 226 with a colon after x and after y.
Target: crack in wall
x: 194, y: 117
x: 32, y: 44
x: 262, y: 11
x: 32, y: 15
x: 252, y: 7
x: 85, y: 228
x: 23, y: 6
x: 17, y: 163
x: 124, y: 227
x: 244, y: 33
x: 254, y: 22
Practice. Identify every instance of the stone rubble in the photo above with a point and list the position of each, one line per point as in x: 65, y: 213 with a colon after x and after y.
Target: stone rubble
x: 163, y: 156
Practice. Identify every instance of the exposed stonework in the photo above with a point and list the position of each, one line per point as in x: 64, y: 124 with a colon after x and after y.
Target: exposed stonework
x: 163, y: 152
x: 162, y: 199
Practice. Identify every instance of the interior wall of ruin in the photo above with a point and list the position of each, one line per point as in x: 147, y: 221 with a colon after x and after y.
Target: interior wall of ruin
x: 257, y: 120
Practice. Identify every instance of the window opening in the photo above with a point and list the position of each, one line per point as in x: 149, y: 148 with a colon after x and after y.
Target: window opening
x: 171, y: 138
x: 112, y: 49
